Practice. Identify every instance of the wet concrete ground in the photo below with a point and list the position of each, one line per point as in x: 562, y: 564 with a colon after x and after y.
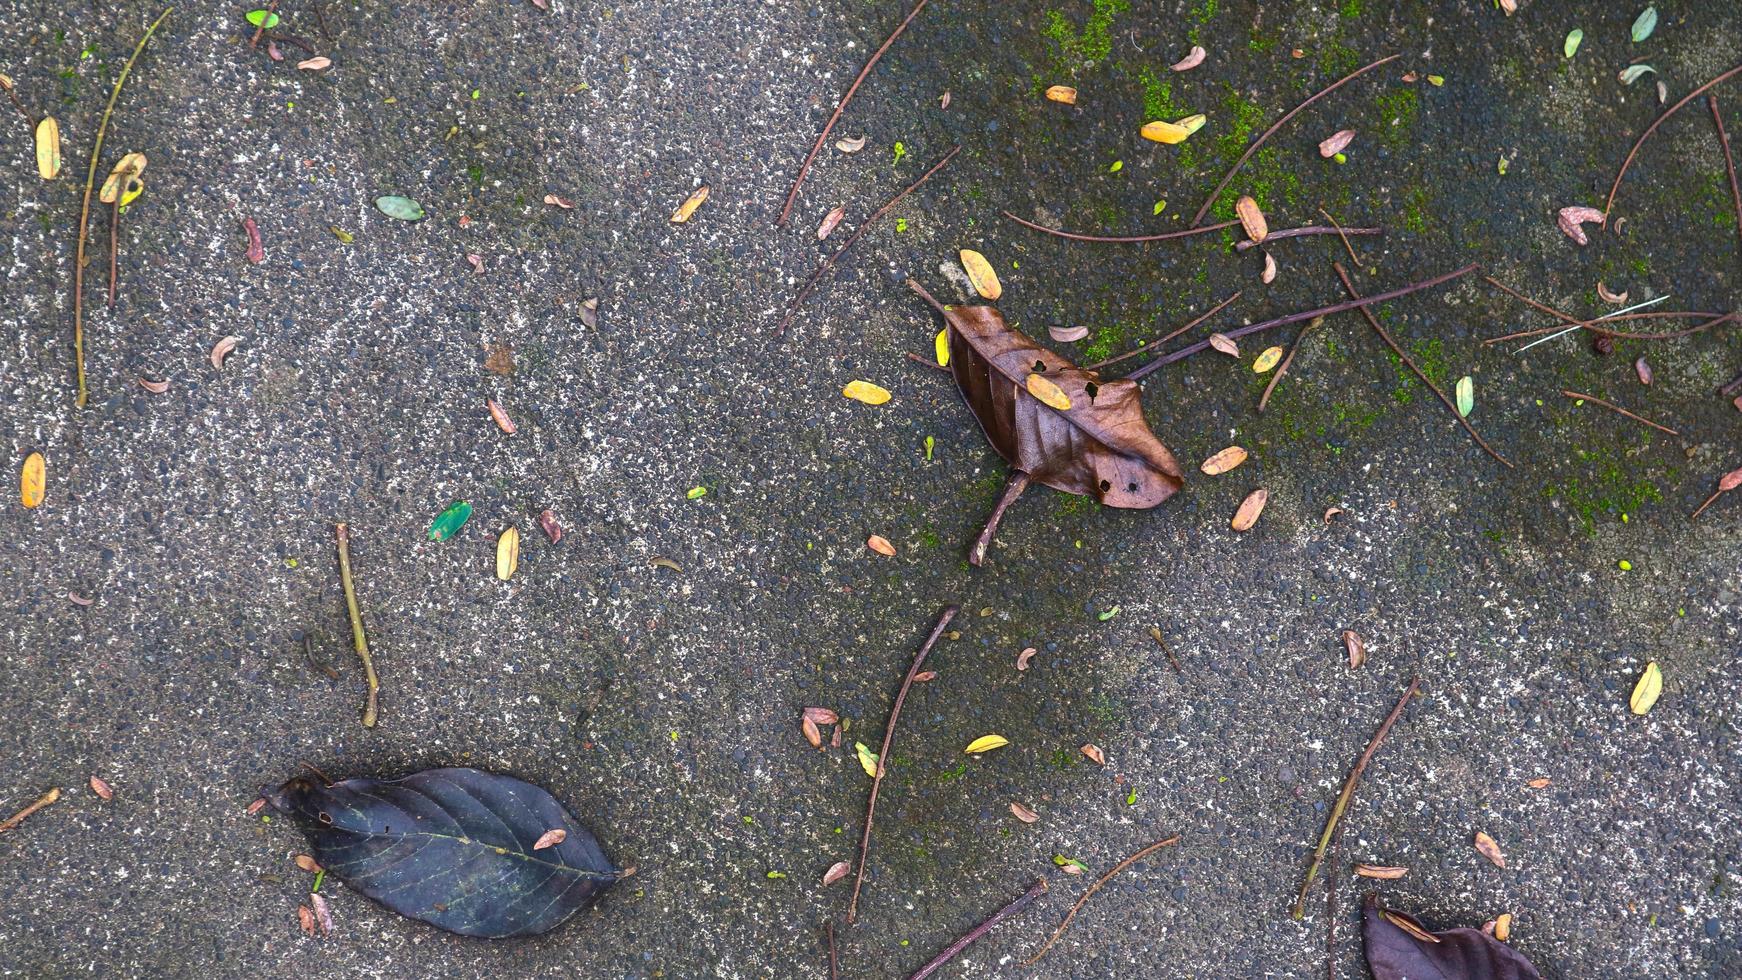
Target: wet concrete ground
x: 663, y: 705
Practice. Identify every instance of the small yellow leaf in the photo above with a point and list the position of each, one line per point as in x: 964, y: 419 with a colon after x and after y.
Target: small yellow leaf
x: 1267, y: 360
x: 942, y: 343
x: 867, y: 759
x: 48, y: 148
x: 1173, y: 132
x: 1062, y: 93
x: 33, y: 480
x: 981, y: 275
x: 1049, y: 394
x: 986, y: 743
x: 507, y: 553
x: 1646, y: 691
x: 688, y: 207
x: 865, y: 391
x: 125, y: 174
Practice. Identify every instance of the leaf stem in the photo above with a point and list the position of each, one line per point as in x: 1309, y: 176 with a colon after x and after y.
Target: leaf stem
x: 1119, y: 239
x: 950, y: 952
x: 19, y: 817
x: 1331, y: 229
x: 1611, y: 406
x: 85, y: 211
x: 1282, y: 369
x: 114, y: 246
x: 1729, y: 161
x: 1349, y: 793
x: 1121, y: 866
x: 361, y: 638
x: 949, y: 613
x: 1012, y: 489
x: 1150, y: 348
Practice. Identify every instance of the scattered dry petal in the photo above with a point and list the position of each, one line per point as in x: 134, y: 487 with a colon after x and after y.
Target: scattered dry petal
x: 1510, y: 7
x: 1336, y: 143
x: 1190, y: 61
x: 1071, y: 868
x: 1094, y: 753
x: 1024, y: 657
x: 1572, y: 221
x: 1503, y: 926
x: 477, y: 262
x: 1048, y: 393
x: 590, y: 313
x: 1645, y: 693
x: 1611, y: 297
x: 1269, y: 274
x: 307, y: 863
x: 822, y: 716
x: 1332, y: 513
x: 503, y: 422
x: 944, y: 100
x: 1411, y: 76
x: 256, y: 248
x: 78, y: 600
x: 1357, y: 648
x: 561, y: 202
x: 836, y: 872
x: 222, y: 349
x: 1490, y: 849
x: 100, y: 787
x: 550, y: 838
x: 1643, y: 369
x: 1067, y: 335
x: 1224, y: 461
x: 812, y: 733
x: 1062, y: 93
x: 1383, y: 872
x: 660, y: 561
x: 306, y: 917
x: 315, y: 64
x: 981, y: 275
x: 1023, y: 813
x: 925, y: 677
x: 830, y: 220
x: 258, y: 805
x: 1251, y: 218
x: 552, y: 529
x: 1225, y: 344
x: 881, y: 545
x: 155, y: 387
x: 865, y: 391
x: 1730, y: 481
x: 688, y: 208
x: 1540, y: 782
x: 850, y: 144
x: 323, y: 913
x: 1249, y: 510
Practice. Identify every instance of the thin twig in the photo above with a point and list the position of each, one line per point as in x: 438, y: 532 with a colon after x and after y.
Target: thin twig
x: 930, y: 363
x: 259, y: 29
x: 114, y: 247
x: 950, y: 952
x: 21, y: 110
x: 19, y: 817
x: 85, y: 211
x: 1591, y: 324
x: 841, y: 107
x: 1208, y: 201
x: 357, y: 635
x: 1733, y: 386
x: 1331, y: 919
x: 1611, y: 406
x: 1121, y: 866
x: 1609, y: 205
x: 1331, y: 229
x: 1204, y: 345
x: 1282, y: 369
x: 1150, y: 348
x: 1348, y: 793
x: 1373, y: 321
x: 834, y: 965
x: 1119, y: 239
x: 321, y: 19
x: 1729, y: 161
x: 1155, y: 634
x: 832, y: 261
x: 1344, y: 235
x: 1018, y: 482
x: 949, y: 613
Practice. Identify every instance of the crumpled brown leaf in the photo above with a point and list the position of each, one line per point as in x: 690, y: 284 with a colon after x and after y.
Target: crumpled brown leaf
x: 1395, y: 950
x: 1572, y: 221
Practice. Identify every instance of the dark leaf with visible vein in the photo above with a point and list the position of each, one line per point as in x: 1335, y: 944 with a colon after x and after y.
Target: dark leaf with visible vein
x: 1094, y: 442
x: 457, y: 848
x: 1394, y: 953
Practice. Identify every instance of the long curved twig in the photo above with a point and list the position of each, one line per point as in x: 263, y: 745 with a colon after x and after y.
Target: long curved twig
x: 972, y: 935
x: 1253, y: 148
x: 1591, y: 325
x: 1118, y: 239
x: 1344, y: 235
x: 841, y: 107
x: 1729, y: 161
x: 1609, y: 204
x: 85, y: 210
x: 359, y: 637
x: 828, y: 264
x: 1373, y: 321
x: 1204, y: 345
x: 1332, y: 229
x: 1611, y: 406
x: 1150, y: 348
x: 949, y: 613
x: 1121, y: 866
x: 1282, y: 369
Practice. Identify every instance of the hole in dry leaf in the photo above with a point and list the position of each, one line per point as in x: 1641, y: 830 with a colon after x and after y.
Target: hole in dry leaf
x: 1092, y: 389
x: 1039, y: 367
x: 1130, y: 488
x: 1105, y: 486
x: 325, y: 817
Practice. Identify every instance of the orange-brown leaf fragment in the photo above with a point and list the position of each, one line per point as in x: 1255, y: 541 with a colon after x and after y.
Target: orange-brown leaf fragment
x: 32, y: 481
x: 222, y: 349
x: 308, y: 863
x: 1251, y: 218
x: 1023, y: 813
x: 1062, y: 93
x: 1490, y: 849
x: 812, y: 734
x: 1357, y: 648
x: 836, y: 872
x: 101, y: 787
x: 1383, y: 872
x: 688, y: 208
x: 1224, y: 460
x: 1249, y: 510
x: 503, y: 422
x: 881, y: 545
x: 822, y: 716
x: 155, y: 387
x: 305, y: 917
x: 1540, y: 782
x: 1047, y: 392
x: 1094, y: 753
x: 830, y: 220
x: 550, y: 838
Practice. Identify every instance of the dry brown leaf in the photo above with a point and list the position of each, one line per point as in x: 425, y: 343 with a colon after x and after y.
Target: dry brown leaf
x: 881, y: 545
x: 1094, y: 753
x: 822, y: 716
x: 1503, y: 927
x: 1540, y: 782
x: 1251, y: 218
x: 323, y: 913
x: 222, y: 349
x: 1062, y: 93
x: 258, y: 805
x: 560, y: 202
x: 1225, y: 344
x: 155, y: 387
x: 1643, y: 369
x: 925, y: 676
x: 476, y: 261
x: 1024, y: 657
x: 830, y: 220
x: 1383, y: 872
x: 1408, y: 925
x: 1190, y: 61
x: 687, y: 209
x: 1490, y: 849
x: 590, y: 313
x: 812, y: 733
x: 101, y: 787
x: 836, y: 872
x: 315, y: 64
x: 550, y: 838
x: 78, y: 600
x: 1357, y: 649
x: 1335, y: 143
x: 552, y: 529
x: 660, y: 561
x: 1249, y: 510
x: 1269, y: 274
x: 981, y: 275
x: 1224, y: 461
x: 1509, y: 7
x: 944, y: 100
x: 307, y: 863
x: 1066, y: 335
x: 507, y: 553
x: 1609, y: 296
x: 1572, y: 222
x: 1047, y: 392
x: 1332, y: 513
x: 305, y: 916
x: 503, y: 422
x: 500, y: 360
x: 1023, y: 813
x: 850, y: 144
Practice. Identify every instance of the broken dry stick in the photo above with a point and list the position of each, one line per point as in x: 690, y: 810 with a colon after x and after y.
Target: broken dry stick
x: 1609, y: 205
x: 841, y: 107
x: 1348, y: 793
x: 1611, y: 406
x: 1121, y: 866
x: 949, y: 613
x: 834, y: 965
x: 19, y: 817
x: 1119, y: 239
x: 1331, y: 229
x: 1402, y: 354
x: 362, y: 639
x: 973, y: 935
x: 1282, y: 368
x: 1729, y: 160
x: 1013, y: 489
x: 1713, y: 319
x: 1150, y: 348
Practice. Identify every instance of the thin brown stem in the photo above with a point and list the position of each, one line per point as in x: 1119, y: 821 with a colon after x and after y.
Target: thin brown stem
x: 1331, y: 920
x: 1592, y: 326
x: 1119, y: 239
x: 1708, y: 502
x: 1204, y: 345
x: 114, y: 246
x: 1347, y: 794
x: 1729, y: 160
x: 1609, y: 205
x: 948, y: 614
x: 1253, y: 148
x: 1155, y: 634
x: 1373, y: 321
x: 841, y: 107
x: 1734, y: 385
x: 828, y: 265
x: 926, y: 362
x: 1150, y: 348
x: 259, y: 29
x: 1282, y: 369
x: 24, y: 814
x: 1331, y: 229
x: 21, y: 110
x: 971, y: 936
x: 834, y: 964
x: 360, y: 638
x: 1611, y: 406
x: 1121, y: 866
x: 1018, y: 482
x: 1344, y: 235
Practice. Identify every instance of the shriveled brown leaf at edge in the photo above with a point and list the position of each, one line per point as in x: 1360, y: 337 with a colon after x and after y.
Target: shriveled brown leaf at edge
x: 836, y: 872
x: 1382, y: 872
x: 100, y: 786
x: 1490, y: 849
x: 1357, y: 649
x: 1094, y: 753
x: 1024, y: 657
x: 1023, y: 813
x: 550, y: 838
x: 812, y: 734
x: 1224, y: 460
x: 822, y: 716
x: 881, y: 545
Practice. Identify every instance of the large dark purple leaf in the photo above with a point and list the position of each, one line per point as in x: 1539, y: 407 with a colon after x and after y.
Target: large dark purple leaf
x: 1461, y: 954
x: 452, y: 847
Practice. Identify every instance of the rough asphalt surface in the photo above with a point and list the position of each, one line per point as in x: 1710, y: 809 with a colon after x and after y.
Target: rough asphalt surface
x: 662, y: 706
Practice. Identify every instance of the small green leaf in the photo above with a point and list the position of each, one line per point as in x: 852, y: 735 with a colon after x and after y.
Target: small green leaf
x: 403, y: 208
x: 1117, y: 166
x: 1065, y: 862
x: 900, y: 151
x: 341, y: 234
x: 1341, y: 158
x: 263, y: 18
x: 449, y: 521
x: 1633, y: 73
x: 1571, y: 45
x: 1644, y: 24
x: 1131, y: 797
x: 696, y: 493
x: 1109, y: 614
x: 1160, y: 206
x: 776, y: 875
x: 900, y: 224
x: 930, y: 444
x: 1624, y: 565
x: 1502, y: 165
x: 867, y: 759
x: 1466, y: 396
x: 1436, y: 80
